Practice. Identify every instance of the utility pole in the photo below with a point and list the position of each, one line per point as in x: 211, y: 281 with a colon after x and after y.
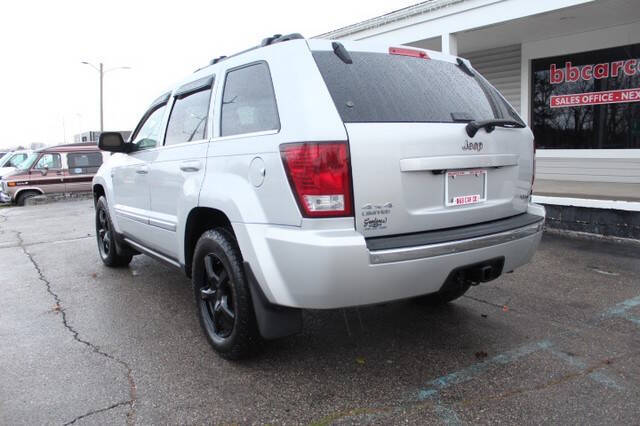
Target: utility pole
x: 102, y: 72
x: 101, y: 98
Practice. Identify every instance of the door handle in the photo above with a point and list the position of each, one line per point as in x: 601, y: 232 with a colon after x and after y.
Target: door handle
x: 190, y: 166
x: 142, y: 170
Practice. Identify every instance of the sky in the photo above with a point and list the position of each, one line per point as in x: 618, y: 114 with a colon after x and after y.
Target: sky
x: 48, y: 95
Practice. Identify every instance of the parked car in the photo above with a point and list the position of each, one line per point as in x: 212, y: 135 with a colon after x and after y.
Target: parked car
x: 11, y: 160
x: 317, y: 174
x: 58, y: 169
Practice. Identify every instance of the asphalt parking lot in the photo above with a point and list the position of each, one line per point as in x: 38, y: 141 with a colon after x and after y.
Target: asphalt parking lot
x: 557, y: 341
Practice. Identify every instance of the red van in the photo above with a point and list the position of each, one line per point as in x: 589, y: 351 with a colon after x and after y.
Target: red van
x: 58, y: 169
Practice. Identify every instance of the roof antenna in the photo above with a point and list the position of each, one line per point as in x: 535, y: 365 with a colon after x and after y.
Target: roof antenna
x: 341, y: 52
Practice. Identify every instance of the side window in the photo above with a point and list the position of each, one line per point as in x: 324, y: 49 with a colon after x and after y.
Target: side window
x: 149, y: 134
x: 49, y: 161
x: 248, y: 101
x: 84, y: 162
x: 188, y: 119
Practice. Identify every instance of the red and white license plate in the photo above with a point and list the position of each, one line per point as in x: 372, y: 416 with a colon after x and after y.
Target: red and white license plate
x: 466, y: 199
x: 463, y: 187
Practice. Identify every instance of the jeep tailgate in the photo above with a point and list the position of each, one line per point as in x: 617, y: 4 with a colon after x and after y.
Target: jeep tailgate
x: 414, y: 166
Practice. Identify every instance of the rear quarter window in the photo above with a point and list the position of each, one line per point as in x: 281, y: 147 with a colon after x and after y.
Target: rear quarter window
x: 248, y: 101
x: 379, y: 87
x: 84, y: 162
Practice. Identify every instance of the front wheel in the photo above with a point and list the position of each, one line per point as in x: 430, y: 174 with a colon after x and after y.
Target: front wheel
x: 106, y: 238
x: 22, y: 198
x: 222, y: 295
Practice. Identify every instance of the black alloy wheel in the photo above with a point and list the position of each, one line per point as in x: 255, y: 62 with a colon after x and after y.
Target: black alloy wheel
x: 222, y: 295
x: 104, y: 233
x: 107, y: 247
x: 216, y: 297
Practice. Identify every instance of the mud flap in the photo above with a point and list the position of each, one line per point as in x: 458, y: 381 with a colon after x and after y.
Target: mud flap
x: 273, y: 321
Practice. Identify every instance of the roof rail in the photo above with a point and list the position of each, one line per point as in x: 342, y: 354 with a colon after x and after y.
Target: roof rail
x: 216, y: 60
x: 72, y: 144
x: 279, y: 38
x: 269, y: 40
x: 276, y: 38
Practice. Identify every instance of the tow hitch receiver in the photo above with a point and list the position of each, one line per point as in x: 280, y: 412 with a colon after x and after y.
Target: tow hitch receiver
x: 481, y: 272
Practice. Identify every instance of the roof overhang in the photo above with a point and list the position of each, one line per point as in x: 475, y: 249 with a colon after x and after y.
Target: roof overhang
x: 397, y: 15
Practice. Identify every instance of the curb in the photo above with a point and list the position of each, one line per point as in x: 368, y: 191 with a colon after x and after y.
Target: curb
x: 590, y: 236
x: 56, y: 198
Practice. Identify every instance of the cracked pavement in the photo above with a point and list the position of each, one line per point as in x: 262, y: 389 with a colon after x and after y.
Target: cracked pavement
x: 556, y: 341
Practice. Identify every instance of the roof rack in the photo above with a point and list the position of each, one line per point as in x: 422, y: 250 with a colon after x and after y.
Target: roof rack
x: 72, y: 144
x: 276, y: 38
x: 216, y: 60
x: 78, y: 145
x: 279, y: 38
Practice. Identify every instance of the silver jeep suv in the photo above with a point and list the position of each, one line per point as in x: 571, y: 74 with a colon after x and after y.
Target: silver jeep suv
x: 321, y: 174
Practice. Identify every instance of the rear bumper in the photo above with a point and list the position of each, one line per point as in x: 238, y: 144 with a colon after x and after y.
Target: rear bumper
x: 498, y: 232
x: 334, y: 268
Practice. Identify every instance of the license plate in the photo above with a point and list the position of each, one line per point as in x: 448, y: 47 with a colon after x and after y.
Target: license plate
x: 463, y: 187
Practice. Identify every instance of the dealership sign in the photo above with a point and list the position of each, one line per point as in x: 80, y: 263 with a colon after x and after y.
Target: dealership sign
x: 596, y: 98
x: 572, y: 74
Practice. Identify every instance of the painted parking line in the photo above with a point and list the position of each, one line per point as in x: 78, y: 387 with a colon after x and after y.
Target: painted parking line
x: 445, y: 412
x: 468, y: 373
x: 448, y: 415
x: 597, y: 376
x: 622, y: 310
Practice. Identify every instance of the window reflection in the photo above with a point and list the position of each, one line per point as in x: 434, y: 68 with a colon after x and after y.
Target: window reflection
x: 603, y: 126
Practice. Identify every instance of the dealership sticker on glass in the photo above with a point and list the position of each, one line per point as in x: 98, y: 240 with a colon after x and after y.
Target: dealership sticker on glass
x: 463, y: 187
x: 595, y: 98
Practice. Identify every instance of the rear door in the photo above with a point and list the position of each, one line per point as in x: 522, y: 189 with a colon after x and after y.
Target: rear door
x: 177, y: 171
x: 414, y: 167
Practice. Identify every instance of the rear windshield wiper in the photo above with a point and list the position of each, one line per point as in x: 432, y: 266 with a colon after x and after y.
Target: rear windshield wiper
x: 341, y: 52
x: 490, y: 125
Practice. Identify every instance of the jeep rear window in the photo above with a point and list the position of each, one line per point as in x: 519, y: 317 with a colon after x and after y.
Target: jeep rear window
x: 379, y: 87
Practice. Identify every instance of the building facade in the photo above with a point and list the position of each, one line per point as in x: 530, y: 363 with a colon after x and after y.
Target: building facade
x: 571, y: 68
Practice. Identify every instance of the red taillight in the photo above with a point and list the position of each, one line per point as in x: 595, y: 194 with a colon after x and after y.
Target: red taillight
x: 408, y: 52
x: 320, y: 177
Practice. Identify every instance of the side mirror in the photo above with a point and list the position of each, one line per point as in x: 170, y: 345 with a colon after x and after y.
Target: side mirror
x: 44, y: 170
x: 112, y: 141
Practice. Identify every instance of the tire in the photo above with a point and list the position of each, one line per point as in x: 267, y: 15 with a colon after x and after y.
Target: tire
x: 450, y: 291
x: 222, y: 296
x: 107, y: 248
x: 24, y: 195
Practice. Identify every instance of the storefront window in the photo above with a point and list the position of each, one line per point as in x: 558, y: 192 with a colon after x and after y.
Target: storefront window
x: 587, y: 100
